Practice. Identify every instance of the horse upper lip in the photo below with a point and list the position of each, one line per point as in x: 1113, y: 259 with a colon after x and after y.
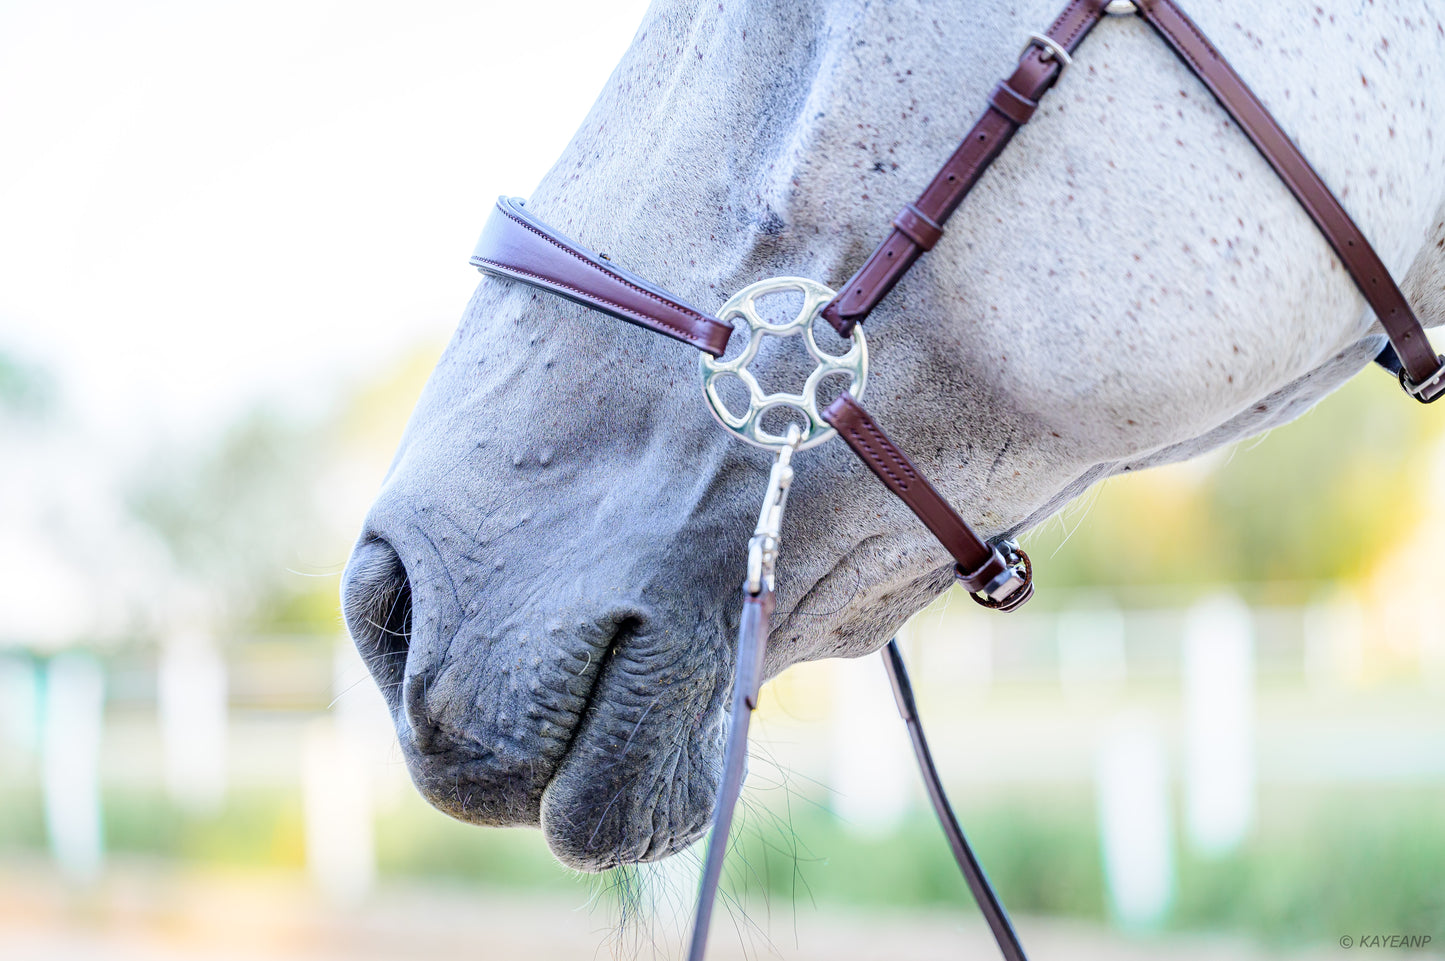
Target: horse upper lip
x: 604, y: 660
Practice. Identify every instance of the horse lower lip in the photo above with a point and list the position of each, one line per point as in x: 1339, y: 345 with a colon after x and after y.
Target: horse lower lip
x: 615, y: 796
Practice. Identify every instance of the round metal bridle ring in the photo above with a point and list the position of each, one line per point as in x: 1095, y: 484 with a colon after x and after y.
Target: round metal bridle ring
x: 748, y: 425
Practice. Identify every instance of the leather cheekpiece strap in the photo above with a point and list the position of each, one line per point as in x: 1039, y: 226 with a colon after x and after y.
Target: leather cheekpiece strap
x: 516, y: 245
x: 1011, y: 105
x: 1406, y: 334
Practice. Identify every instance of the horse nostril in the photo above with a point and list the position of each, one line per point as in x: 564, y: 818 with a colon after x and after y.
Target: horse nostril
x: 376, y: 599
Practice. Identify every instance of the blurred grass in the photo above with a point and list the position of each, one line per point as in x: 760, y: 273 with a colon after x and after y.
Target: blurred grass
x: 1321, y: 499
x: 1354, y: 859
x: 1320, y: 861
x: 1041, y: 853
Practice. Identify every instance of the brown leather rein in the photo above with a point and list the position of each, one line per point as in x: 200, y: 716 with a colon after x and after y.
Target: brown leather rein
x: 516, y: 245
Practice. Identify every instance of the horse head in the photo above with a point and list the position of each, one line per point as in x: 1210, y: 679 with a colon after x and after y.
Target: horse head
x: 546, y: 587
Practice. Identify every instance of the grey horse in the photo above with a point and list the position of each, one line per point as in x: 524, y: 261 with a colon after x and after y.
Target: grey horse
x: 546, y: 588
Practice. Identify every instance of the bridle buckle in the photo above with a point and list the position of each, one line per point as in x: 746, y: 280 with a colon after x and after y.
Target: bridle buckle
x: 1053, y: 50
x: 1012, y: 586
x: 1428, y: 390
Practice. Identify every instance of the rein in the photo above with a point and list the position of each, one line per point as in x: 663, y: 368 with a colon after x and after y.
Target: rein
x: 997, y: 574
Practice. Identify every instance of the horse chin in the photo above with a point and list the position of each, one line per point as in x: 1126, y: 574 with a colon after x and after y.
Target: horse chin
x: 594, y: 824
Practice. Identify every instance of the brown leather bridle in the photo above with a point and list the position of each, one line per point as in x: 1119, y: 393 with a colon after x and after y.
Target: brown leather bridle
x: 516, y: 245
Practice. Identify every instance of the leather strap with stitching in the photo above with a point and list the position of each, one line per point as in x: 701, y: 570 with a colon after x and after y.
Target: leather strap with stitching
x: 1381, y: 292
x: 977, y: 563
x: 1010, y: 106
x: 515, y: 244
x: 753, y: 630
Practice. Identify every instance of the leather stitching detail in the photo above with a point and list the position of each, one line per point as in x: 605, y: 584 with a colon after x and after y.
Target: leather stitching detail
x: 873, y: 455
x: 1064, y: 17
x: 877, y: 455
x: 708, y: 321
x: 645, y: 319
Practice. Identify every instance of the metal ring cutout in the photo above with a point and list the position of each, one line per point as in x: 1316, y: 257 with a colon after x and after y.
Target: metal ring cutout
x: 748, y: 426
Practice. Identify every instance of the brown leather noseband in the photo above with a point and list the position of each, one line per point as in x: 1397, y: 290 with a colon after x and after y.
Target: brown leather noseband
x: 516, y: 245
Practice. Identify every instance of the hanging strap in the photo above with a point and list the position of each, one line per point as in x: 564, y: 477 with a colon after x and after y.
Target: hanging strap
x: 978, y: 884
x: 753, y: 628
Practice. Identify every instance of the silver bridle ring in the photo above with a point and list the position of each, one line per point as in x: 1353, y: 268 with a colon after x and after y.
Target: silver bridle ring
x: 748, y: 425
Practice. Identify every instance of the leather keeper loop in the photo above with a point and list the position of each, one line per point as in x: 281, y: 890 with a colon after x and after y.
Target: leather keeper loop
x: 977, y: 580
x: 1012, y: 104
x: 918, y: 227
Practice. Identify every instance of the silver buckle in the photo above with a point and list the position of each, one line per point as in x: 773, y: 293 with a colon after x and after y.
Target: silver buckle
x: 1429, y: 390
x: 1014, y: 585
x: 1052, y: 49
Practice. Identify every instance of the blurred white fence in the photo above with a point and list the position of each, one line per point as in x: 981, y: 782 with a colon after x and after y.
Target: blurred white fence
x: 191, y: 705
x: 1236, y: 697
x: 70, y: 741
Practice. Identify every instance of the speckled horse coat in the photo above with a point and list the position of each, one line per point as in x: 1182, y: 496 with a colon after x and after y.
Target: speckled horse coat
x: 547, y: 585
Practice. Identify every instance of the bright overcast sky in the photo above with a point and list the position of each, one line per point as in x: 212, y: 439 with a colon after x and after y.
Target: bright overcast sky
x: 203, y: 204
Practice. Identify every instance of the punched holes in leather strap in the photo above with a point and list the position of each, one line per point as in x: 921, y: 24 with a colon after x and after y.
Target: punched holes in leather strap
x: 1012, y: 104
x: 918, y: 227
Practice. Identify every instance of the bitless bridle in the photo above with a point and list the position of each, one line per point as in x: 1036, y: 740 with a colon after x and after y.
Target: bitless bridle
x: 997, y: 574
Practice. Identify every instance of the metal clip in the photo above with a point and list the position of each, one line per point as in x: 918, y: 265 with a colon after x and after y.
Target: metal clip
x: 763, y: 547
x: 1121, y: 8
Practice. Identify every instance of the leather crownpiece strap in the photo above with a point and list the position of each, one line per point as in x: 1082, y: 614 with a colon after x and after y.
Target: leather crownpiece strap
x: 517, y: 245
x: 1381, y: 292
x: 1010, y: 107
x: 977, y: 564
x: 1013, y: 103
